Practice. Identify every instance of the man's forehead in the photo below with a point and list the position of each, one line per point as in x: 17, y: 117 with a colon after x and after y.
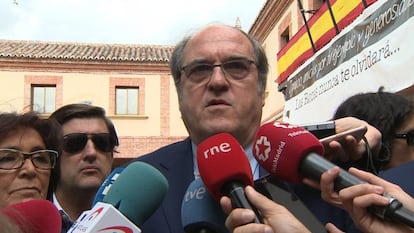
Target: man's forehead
x: 220, y: 42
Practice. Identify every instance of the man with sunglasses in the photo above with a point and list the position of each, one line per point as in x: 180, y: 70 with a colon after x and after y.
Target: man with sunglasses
x: 89, y: 141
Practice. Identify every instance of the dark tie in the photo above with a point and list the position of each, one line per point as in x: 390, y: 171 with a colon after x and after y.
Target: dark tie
x: 66, y: 222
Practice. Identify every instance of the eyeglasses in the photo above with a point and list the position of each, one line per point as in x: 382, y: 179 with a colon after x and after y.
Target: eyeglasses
x: 409, y: 136
x: 75, y: 142
x: 236, y: 69
x: 13, y: 159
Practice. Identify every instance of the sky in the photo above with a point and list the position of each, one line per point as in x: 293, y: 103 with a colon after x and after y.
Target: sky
x: 155, y: 22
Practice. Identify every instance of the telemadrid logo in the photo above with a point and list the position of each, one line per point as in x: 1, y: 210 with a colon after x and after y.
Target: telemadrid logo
x: 262, y: 148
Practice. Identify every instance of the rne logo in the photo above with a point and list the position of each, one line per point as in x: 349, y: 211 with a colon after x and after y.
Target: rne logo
x: 223, y: 147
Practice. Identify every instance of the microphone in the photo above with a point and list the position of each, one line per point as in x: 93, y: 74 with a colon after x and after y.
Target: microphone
x: 131, y: 199
x: 106, y: 185
x: 200, y: 213
x: 290, y: 153
x: 225, y: 170
x: 34, y: 216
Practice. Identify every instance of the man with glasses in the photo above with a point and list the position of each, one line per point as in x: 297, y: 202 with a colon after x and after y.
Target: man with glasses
x: 29, y: 148
x: 89, y: 142
x: 220, y: 75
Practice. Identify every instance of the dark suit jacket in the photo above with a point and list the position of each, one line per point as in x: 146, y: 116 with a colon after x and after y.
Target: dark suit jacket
x: 402, y: 176
x: 175, y: 162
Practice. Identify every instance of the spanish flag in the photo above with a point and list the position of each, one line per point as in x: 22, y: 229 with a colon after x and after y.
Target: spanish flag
x: 321, y: 29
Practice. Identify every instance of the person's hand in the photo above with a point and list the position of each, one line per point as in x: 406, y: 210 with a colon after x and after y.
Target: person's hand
x: 357, y: 198
x: 331, y: 228
x: 276, y: 217
x: 326, y: 186
x: 328, y: 193
x: 352, y: 148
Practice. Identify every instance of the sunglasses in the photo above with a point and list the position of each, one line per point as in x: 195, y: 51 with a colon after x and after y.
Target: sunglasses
x: 409, y: 136
x: 75, y: 142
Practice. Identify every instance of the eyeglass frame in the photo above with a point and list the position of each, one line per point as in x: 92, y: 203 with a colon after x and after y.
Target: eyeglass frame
x: 221, y: 65
x: 409, y: 136
x: 29, y: 155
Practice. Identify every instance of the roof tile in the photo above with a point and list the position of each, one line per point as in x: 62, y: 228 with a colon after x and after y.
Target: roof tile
x: 84, y: 51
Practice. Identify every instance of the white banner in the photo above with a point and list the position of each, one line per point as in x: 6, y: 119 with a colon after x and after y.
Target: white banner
x: 375, y: 50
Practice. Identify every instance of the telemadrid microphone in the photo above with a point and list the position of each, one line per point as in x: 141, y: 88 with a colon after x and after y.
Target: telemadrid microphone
x: 200, y: 213
x: 106, y: 185
x: 34, y: 216
x: 291, y: 153
x: 132, y: 198
x: 225, y: 170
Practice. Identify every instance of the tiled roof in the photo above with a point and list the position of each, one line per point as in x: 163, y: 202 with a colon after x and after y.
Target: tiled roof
x: 84, y: 51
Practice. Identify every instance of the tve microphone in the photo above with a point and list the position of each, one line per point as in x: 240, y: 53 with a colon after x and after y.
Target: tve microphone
x: 200, y: 213
x: 132, y: 198
x: 290, y: 153
x: 225, y: 169
x: 34, y: 216
x: 106, y: 185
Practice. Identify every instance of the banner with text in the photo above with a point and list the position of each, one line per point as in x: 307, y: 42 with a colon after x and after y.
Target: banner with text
x: 375, y: 50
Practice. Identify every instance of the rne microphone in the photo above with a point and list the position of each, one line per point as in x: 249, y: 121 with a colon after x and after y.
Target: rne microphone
x: 34, y: 216
x: 225, y: 170
x: 132, y: 198
x: 291, y: 153
x: 200, y: 213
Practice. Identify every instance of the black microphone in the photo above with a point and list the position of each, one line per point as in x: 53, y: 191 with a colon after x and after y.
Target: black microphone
x: 290, y: 153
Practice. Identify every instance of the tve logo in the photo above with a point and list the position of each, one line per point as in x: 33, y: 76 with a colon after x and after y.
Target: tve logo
x: 196, y: 193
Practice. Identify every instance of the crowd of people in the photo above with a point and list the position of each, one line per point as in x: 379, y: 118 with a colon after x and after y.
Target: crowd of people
x: 220, y: 75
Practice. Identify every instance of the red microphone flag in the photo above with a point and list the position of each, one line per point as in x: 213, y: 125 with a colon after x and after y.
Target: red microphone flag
x: 280, y: 147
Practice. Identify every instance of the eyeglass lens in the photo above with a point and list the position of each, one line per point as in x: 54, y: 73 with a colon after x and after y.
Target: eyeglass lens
x: 76, y: 142
x: 236, y: 69
x: 13, y: 159
x: 409, y: 136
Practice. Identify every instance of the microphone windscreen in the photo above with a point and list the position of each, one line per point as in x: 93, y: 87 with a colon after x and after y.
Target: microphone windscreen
x: 137, y: 192
x: 221, y: 159
x: 200, y: 211
x: 35, y: 216
x: 279, y: 148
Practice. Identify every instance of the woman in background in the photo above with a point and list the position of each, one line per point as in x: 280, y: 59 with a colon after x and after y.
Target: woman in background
x: 29, y: 147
